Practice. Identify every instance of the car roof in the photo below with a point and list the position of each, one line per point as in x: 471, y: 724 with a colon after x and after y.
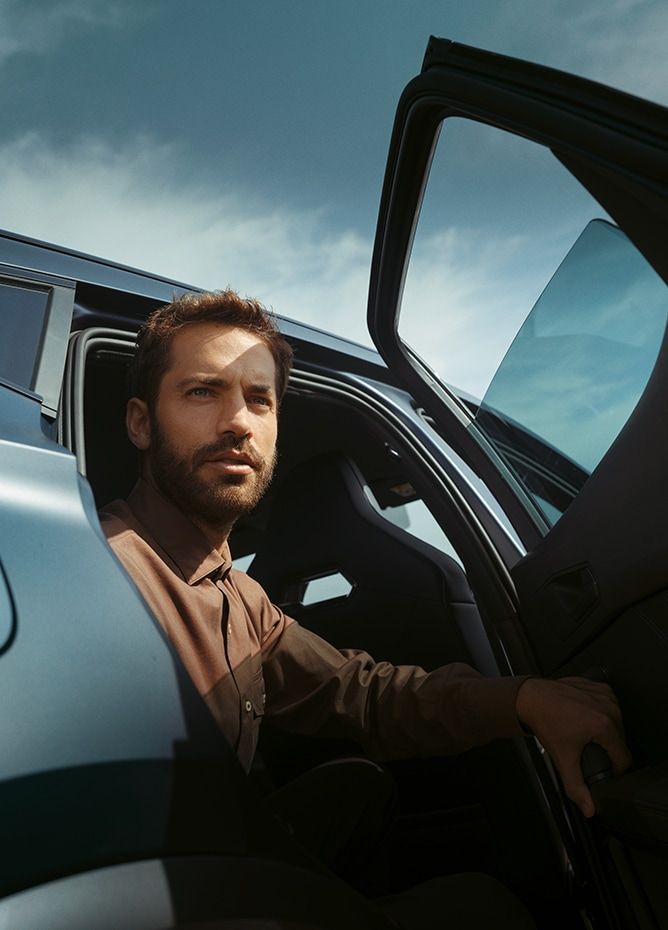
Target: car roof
x: 100, y: 280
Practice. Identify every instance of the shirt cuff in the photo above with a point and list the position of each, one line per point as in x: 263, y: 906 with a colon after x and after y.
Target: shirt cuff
x: 493, y: 703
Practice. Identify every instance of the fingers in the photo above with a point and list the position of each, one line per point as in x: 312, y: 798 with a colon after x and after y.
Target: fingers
x: 602, y: 697
x: 579, y: 793
x: 616, y: 748
x: 570, y: 770
x: 568, y: 765
x: 607, y: 730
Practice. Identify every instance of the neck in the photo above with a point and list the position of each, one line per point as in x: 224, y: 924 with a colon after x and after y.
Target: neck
x: 217, y: 535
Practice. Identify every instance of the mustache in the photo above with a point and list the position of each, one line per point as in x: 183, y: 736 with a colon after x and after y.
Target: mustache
x: 227, y: 443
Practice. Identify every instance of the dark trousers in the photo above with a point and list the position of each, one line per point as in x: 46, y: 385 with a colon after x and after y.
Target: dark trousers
x: 343, y: 812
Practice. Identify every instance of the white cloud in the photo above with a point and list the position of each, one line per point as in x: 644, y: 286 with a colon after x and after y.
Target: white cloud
x: 35, y: 27
x: 466, y: 296
x: 618, y: 42
x: 126, y: 204
x: 624, y: 43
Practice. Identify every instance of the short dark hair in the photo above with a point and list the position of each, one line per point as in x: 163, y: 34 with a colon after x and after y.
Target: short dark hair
x: 154, y: 340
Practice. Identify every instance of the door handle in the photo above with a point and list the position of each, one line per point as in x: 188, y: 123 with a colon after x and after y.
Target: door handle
x: 596, y: 764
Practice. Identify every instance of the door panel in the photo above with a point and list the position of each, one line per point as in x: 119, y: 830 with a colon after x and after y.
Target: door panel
x: 592, y: 590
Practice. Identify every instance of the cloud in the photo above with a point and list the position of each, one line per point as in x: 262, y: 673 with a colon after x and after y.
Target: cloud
x: 466, y: 296
x: 34, y: 27
x: 467, y: 293
x: 129, y: 205
x: 624, y: 43
x: 619, y: 42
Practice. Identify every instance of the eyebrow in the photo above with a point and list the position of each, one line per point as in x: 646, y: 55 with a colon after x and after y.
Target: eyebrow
x: 213, y: 381
x: 265, y: 389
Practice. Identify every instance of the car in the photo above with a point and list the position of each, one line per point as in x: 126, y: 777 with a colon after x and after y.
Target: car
x: 523, y: 532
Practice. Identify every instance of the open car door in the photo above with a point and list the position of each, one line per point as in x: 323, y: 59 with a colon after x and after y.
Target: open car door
x: 571, y: 436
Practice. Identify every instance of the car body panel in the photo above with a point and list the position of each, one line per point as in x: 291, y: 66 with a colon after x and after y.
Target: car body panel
x: 109, y: 754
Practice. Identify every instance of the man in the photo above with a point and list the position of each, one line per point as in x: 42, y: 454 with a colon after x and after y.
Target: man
x: 207, y: 380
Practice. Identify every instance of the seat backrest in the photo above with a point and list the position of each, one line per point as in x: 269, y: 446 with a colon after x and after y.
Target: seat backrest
x: 408, y: 600
x: 112, y: 462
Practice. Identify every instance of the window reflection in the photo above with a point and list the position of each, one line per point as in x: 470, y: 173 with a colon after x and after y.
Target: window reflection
x: 577, y: 367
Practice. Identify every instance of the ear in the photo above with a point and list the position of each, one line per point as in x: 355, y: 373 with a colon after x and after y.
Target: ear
x: 138, y: 423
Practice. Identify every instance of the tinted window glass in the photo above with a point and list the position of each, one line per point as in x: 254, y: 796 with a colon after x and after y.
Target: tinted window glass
x: 22, y: 314
x: 577, y: 367
x: 499, y: 215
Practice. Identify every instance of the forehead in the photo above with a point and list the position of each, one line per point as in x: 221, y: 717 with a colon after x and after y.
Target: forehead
x: 214, y: 348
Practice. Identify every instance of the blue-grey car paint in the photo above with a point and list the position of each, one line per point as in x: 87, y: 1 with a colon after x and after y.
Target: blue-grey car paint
x: 88, y: 683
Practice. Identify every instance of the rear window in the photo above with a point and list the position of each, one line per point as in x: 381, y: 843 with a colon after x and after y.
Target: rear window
x: 23, y: 313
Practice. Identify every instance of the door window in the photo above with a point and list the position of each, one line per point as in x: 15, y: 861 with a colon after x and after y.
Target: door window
x: 577, y: 367
x: 507, y: 231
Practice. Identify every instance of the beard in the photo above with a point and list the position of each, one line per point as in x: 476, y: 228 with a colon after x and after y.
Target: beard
x: 218, y: 501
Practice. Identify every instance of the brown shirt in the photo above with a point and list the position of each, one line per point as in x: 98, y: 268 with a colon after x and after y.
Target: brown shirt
x: 248, y: 659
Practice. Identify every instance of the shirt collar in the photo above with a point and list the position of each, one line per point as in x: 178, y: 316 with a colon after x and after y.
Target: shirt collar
x: 185, y: 544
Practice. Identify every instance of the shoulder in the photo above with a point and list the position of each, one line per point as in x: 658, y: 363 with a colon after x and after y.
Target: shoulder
x: 250, y: 591
x: 117, y: 520
x: 269, y: 621
x: 126, y: 536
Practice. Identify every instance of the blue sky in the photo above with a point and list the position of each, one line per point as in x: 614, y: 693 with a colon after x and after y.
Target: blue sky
x: 243, y: 143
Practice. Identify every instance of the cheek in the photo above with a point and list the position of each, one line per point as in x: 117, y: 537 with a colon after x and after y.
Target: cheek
x: 182, y: 432
x: 191, y: 419
x: 266, y: 435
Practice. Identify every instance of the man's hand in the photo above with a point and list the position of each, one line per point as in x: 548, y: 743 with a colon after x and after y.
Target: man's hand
x: 567, y: 714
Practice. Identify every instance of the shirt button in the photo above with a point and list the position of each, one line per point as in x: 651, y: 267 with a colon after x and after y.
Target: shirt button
x: 249, y: 706
x: 229, y: 629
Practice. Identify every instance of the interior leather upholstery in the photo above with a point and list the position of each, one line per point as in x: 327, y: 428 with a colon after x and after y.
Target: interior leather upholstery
x: 408, y: 601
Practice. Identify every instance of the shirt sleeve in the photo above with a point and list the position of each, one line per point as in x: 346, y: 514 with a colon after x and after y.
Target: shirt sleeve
x: 391, y: 711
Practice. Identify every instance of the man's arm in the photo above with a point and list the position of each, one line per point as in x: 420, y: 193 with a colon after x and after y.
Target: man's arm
x: 392, y: 711
x: 400, y: 711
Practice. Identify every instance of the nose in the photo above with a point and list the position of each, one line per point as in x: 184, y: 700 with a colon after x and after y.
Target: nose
x: 234, y: 416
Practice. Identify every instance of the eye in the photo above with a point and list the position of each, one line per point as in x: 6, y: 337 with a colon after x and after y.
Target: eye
x: 199, y: 392
x: 259, y: 400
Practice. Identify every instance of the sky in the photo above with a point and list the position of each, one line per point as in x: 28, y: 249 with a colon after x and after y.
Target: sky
x: 243, y: 144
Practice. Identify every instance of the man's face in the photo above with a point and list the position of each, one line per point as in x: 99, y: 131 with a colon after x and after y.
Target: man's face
x: 212, y: 446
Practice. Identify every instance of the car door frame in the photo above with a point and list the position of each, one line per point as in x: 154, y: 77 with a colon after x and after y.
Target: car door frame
x: 617, y: 147
x: 615, y: 144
